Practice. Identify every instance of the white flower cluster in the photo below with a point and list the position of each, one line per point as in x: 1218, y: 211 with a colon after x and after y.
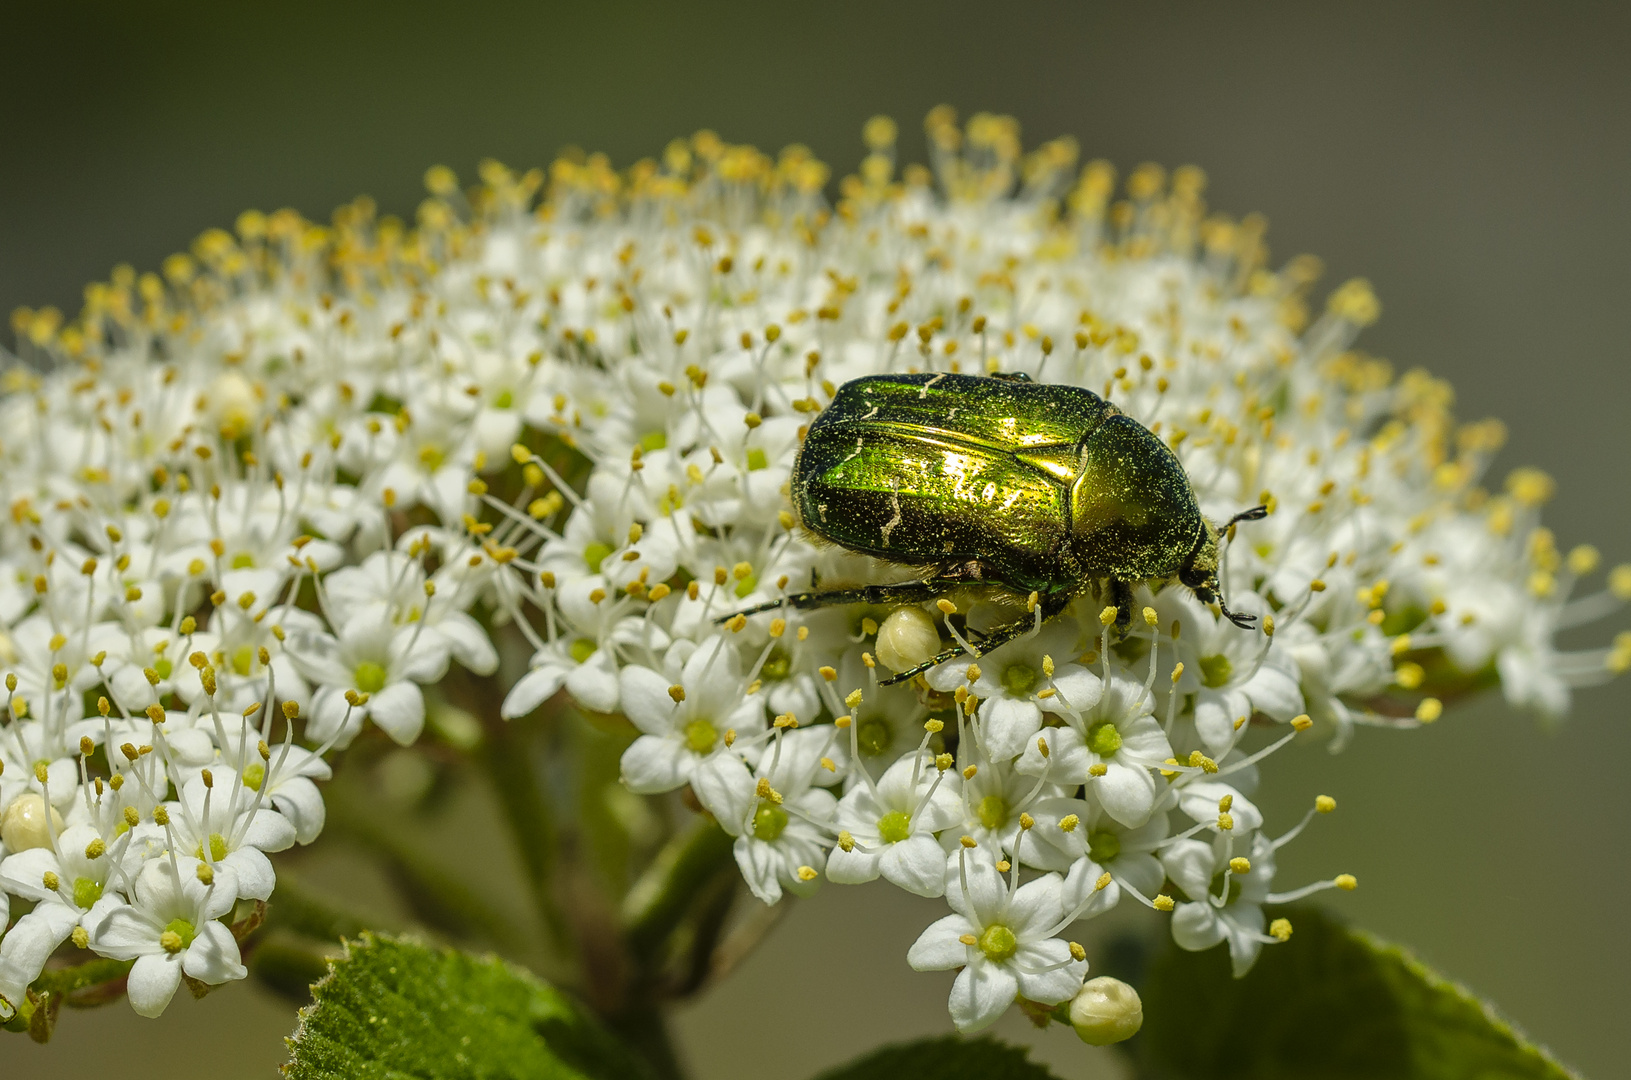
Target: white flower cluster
x: 271, y: 494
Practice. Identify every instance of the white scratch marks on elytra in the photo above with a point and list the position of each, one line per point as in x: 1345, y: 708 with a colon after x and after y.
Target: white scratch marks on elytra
x: 894, y: 501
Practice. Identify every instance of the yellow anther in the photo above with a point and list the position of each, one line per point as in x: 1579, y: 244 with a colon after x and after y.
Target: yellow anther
x: 946, y: 606
x: 1026, y: 822
x: 1429, y: 709
x: 1003, y: 866
x: 161, y: 816
x: 737, y: 624
x: 1409, y: 675
x: 1316, y: 585
x: 970, y: 772
x: 827, y: 673
x: 1150, y: 617
x: 291, y: 709
x: 1163, y: 902
x: 973, y: 673
x: 155, y: 713
x: 1346, y: 882
x: 677, y: 692
x: 1619, y: 581
x: 853, y: 699
x: 1069, y: 822
x: 1238, y: 865
x: 942, y: 762
x: 1226, y: 803
x: 1301, y: 723
x: 1042, y: 746
x: 778, y: 627
x: 1226, y: 822
x: 1108, y: 615
x: 969, y: 939
x: 1102, y: 883
x: 845, y: 840
x: 1098, y: 768
x: 764, y: 791
x: 934, y: 727
x: 1280, y: 929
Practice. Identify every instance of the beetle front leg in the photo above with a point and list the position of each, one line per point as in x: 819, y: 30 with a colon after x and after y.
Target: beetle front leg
x: 1050, y: 606
x: 905, y: 592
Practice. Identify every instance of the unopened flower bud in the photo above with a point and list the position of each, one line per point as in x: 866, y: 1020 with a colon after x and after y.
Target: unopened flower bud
x: 1106, y: 1011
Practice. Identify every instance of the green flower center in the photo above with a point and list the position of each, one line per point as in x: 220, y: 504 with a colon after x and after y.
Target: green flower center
x: 993, y: 811
x: 431, y: 457
x: 1019, y: 679
x: 1103, y: 739
x: 370, y: 677
x: 700, y: 737
x: 177, y: 935
x: 595, y: 554
x: 769, y: 821
x: 583, y: 649
x: 254, y: 776
x: 86, y: 892
x: 218, y: 848
x: 1103, y: 846
x: 874, y: 737
x: 746, y: 585
x: 757, y: 460
x: 504, y: 400
x: 243, y: 659
x: 775, y: 669
x: 998, y: 943
x: 163, y: 667
x: 243, y: 561
x: 654, y: 440
x: 895, y: 826
x: 1216, y: 670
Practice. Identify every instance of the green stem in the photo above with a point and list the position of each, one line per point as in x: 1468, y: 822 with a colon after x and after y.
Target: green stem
x: 81, y: 976
x: 663, y: 895
x: 507, y: 757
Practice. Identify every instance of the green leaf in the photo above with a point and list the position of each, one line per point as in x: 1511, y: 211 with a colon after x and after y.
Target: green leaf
x: 393, y: 1008
x: 1331, y: 1004
x: 949, y: 1058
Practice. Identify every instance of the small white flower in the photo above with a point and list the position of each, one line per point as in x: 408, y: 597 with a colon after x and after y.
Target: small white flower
x: 1223, y: 904
x: 169, y: 927
x: 892, y: 825
x: 1114, y: 747
x: 684, y: 722
x: 1003, y: 938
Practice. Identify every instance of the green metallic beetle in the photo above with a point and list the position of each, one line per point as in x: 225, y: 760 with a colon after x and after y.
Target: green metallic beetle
x: 1021, y: 485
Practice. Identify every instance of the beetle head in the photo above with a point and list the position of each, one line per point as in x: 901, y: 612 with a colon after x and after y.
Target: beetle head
x: 1200, y: 570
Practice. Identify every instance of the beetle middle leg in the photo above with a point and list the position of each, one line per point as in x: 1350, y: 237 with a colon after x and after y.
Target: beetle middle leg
x: 905, y: 592
x: 1050, y: 605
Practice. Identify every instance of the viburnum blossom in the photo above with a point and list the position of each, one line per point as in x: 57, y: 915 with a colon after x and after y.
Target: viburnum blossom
x: 259, y: 501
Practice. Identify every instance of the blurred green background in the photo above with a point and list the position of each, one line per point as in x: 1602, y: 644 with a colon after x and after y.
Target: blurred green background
x: 1472, y: 160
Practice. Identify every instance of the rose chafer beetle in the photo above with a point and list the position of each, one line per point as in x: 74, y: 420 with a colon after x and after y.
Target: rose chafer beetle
x: 1036, y: 488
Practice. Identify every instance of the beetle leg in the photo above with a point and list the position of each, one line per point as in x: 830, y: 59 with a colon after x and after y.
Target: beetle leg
x: 905, y: 592
x: 1123, y: 594
x: 1051, y: 605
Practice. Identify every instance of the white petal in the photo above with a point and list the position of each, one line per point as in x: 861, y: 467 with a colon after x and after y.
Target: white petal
x: 652, y: 765
x: 399, y: 711
x: 213, y: 956
x: 724, y: 785
x: 1008, y: 726
x: 532, y: 690
x: 760, y: 866
x: 594, y: 683
x: 646, y: 701
x: 856, y: 867
x: 939, y: 947
x: 1127, y: 793
x: 1196, y: 926
x: 982, y: 993
x: 917, y: 864
x: 1032, y: 963
x: 153, y: 983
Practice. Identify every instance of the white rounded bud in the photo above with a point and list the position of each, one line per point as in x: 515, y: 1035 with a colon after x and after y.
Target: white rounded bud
x: 23, y: 825
x: 907, y: 638
x: 1106, y: 1011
